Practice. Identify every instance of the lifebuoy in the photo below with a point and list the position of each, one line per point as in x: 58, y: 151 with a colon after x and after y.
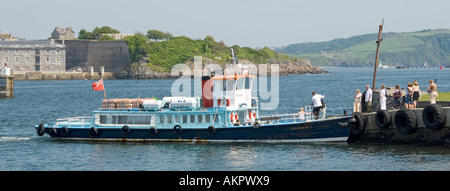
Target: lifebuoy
x: 219, y: 102
x: 358, y: 124
x: 405, y: 121
x: 125, y: 129
x: 93, y: 132
x: 177, y: 129
x: 256, y: 125
x: 383, y: 119
x: 40, y: 130
x: 233, y: 117
x: 53, y: 132
x: 64, y: 131
x: 252, y: 115
x: 433, y: 116
x: 211, y: 130
x: 153, y: 132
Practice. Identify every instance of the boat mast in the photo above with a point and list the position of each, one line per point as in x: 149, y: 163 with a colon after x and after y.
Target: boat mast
x: 376, y: 58
x: 232, y: 55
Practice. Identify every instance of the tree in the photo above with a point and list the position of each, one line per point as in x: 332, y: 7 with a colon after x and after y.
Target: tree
x: 137, y: 46
x: 168, y: 36
x: 156, y: 35
x: 83, y: 34
x: 105, y: 38
x: 104, y: 30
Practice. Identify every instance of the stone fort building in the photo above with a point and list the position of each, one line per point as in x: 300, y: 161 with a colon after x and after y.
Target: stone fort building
x: 114, y: 56
x: 24, y: 56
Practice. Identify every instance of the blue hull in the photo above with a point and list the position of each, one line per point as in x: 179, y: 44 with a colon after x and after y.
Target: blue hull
x: 320, y: 130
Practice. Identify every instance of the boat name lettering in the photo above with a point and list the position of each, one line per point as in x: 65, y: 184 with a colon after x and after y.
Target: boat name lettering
x: 303, y: 127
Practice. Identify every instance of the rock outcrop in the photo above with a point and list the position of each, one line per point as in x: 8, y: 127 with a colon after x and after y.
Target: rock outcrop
x: 286, y: 67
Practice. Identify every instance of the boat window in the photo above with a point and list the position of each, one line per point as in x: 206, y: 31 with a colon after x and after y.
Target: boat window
x: 184, y: 118
x: 229, y: 85
x: 242, y: 116
x: 215, y: 118
x: 114, y: 119
x: 177, y: 119
x: 169, y: 119
x: 142, y: 120
x: 240, y: 83
x: 192, y: 119
x: 161, y: 119
x: 207, y: 118
x: 247, y: 83
x: 123, y: 119
x: 199, y: 118
x: 102, y: 119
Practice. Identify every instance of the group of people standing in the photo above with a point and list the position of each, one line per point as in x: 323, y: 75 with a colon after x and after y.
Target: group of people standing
x: 412, y: 96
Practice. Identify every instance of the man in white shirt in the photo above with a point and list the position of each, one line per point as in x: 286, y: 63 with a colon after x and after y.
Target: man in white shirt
x: 316, y: 102
x: 368, y: 99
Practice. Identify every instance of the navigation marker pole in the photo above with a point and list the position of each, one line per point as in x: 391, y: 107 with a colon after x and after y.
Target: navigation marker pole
x: 376, y: 58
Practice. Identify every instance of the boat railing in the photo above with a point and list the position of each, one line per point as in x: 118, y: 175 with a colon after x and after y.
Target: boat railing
x: 79, y: 121
x: 288, y: 118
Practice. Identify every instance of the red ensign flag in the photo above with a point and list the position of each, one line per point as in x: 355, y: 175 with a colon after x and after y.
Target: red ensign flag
x: 98, y: 85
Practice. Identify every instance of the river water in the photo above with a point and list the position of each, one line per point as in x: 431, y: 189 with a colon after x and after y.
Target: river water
x: 44, y: 101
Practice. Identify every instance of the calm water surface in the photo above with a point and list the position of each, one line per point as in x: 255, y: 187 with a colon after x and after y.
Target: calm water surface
x: 44, y: 101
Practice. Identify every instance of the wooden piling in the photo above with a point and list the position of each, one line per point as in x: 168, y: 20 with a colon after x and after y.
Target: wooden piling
x: 6, y: 86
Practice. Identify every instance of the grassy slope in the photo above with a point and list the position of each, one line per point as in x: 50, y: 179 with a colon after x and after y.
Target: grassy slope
x: 443, y: 96
x: 396, y: 48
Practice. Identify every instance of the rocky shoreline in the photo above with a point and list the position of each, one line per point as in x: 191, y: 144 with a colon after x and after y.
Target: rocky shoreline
x: 142, y: 71
x: 286, y: 67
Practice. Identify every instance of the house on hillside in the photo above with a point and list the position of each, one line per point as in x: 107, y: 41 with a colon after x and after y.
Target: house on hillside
x: 116, y: 36
x: 63, y: 33
x: 7, y: 37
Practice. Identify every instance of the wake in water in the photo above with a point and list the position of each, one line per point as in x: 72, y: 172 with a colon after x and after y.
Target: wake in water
x: 8, y: 139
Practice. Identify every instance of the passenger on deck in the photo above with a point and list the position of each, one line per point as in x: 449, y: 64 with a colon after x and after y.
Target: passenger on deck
x: 301, y: 114
x: 237, y: 123
x: 316, y: 102
x: 248, y: 122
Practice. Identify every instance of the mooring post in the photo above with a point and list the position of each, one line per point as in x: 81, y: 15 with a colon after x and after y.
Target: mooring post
x: 6, y: 82
x: 376, y: 58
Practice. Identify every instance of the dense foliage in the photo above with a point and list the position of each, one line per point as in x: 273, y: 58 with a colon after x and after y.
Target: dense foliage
x: 83, y: 34
x: 162, y: 55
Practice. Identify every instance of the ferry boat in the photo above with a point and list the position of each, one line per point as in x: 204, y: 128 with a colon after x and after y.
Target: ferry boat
x: 207, y: 118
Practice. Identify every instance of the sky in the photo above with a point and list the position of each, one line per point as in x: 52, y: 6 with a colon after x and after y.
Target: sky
x: 252, y: 23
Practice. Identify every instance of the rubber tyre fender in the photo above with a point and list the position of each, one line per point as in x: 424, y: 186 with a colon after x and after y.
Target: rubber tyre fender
x: 64, y: 131
x: 383, y: 119
x: 177, y: 129
x: 40, y: 131
x: 53, y: 132
x: 433, y: 116
x: 93, y: 132
x: 125, y: 130
x: 405, y: 121
x: 212, y: 130
x: 256, y: 125
x: 359, y: 125
x: 153, y: 132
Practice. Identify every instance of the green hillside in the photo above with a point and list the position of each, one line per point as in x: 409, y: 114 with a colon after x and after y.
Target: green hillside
x: 411, y: 49
x: 163, y: 55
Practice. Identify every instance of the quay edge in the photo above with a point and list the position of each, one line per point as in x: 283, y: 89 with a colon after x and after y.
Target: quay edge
x: 420, y: 134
